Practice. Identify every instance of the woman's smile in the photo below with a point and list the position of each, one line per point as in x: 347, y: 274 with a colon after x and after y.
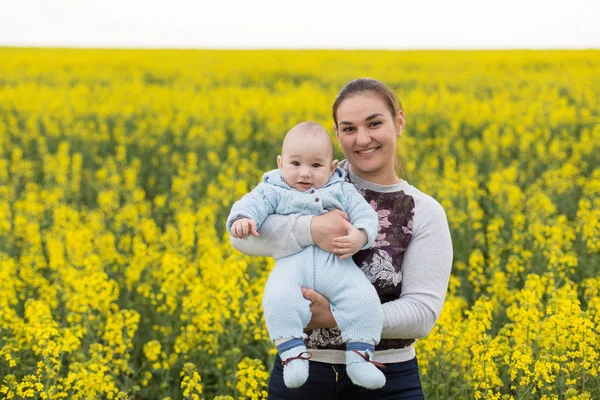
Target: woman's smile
x: 367, y: 152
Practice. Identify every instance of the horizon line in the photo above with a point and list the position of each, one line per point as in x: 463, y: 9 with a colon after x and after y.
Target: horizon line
x: 257, y: 48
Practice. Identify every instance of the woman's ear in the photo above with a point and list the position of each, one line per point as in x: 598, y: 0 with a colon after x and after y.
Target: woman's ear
x: 335, y: 128
x: 279, y: 162
x: 400, y: 123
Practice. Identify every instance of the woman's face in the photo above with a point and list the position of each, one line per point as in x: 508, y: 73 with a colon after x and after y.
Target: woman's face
x: 367, y: 133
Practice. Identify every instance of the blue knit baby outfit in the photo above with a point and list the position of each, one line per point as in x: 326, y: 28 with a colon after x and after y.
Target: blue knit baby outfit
x: 354, y: 302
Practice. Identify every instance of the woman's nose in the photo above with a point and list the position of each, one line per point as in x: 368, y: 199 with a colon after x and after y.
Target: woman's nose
x: 363, y: 137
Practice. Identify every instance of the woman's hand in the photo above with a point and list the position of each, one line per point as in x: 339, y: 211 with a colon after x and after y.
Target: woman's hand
x: 321, y: 313
x: 326, y: 227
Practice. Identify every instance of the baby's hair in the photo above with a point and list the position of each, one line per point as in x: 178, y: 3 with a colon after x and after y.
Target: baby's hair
x: 309, y: 129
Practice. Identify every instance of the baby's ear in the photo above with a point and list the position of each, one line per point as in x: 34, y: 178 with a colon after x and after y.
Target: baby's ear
x: 279, y: 162
x: 334, y: 165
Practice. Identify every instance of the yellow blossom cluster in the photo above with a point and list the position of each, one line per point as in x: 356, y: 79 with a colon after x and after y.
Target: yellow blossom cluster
x: 251, y: 379
x: 118, y: 169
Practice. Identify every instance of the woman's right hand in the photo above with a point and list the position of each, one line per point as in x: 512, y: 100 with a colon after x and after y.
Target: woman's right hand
x: 320, y: 310
x: 326, y: 227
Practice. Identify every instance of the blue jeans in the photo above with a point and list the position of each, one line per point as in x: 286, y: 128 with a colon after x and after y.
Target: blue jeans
x: 330, y: 382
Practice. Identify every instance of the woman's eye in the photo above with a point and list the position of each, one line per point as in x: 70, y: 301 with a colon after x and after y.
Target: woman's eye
x: 375, y: 123
x: 348, y: 129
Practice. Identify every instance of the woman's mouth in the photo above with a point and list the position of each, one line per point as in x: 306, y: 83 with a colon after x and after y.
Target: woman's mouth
x: 367, y: 152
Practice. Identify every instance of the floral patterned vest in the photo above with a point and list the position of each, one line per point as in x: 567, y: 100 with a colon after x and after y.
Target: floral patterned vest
x: 382, y: 264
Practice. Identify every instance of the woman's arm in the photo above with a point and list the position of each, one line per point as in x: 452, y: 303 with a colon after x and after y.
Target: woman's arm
x: 280, y: 236
x: 425, y: 275
x: 284, y: 235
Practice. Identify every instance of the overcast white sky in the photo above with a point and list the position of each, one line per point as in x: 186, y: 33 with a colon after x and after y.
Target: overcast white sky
x: 349, y: 24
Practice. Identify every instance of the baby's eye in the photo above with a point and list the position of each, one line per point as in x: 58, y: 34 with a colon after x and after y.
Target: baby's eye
x: 295, y: 163
x: 316, y: 165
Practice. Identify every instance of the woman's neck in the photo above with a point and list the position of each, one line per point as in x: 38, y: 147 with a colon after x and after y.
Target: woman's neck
x: 383, y: 177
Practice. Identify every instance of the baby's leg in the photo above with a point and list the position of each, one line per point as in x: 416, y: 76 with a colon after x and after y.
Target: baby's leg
x: 354, y: 301
x: 287, y: 312
x: 357, y: 310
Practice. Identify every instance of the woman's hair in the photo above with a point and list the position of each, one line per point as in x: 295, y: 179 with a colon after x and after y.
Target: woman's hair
x: 367, y: 85
x: 372, y: 86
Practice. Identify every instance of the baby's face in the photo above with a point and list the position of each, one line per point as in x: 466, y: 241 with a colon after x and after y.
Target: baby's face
x: 306, y: 162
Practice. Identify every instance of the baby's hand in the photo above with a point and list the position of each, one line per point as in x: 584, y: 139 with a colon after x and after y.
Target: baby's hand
x: 347, y: 246
x: 242, y: 227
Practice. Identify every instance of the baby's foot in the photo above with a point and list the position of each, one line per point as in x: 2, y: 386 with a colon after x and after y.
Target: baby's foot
x: 362, y: 371
x: 295, y: 366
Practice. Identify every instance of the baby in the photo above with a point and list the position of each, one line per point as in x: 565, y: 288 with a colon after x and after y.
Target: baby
x: 309, y: 182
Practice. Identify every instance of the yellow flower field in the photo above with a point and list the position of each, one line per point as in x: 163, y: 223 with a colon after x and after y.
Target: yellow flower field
x: 118, y: 168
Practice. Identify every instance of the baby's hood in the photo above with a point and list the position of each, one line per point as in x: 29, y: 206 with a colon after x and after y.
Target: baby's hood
x: 338, y: 176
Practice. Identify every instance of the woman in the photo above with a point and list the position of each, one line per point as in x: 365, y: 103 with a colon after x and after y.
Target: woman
x: 409, y: 264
